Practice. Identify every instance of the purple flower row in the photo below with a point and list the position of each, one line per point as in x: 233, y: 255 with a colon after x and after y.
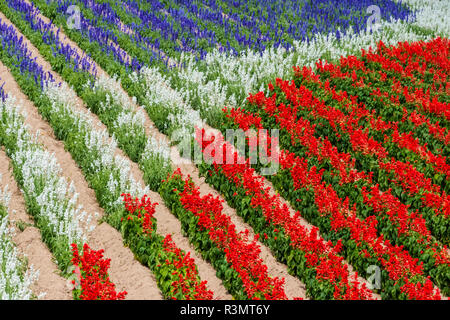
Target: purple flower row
x: 21, y: 55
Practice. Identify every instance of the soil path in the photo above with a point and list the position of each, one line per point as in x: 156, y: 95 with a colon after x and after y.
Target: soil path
x: 104, y: 236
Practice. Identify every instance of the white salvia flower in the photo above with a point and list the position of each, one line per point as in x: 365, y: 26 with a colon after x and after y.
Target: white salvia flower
x: 114, y: 93
x: 42, y: 181
x: 59, y: 93
x: 5, y: 196
x: 112, y: 184
x: 158, y: 148
x: 99, y: 143
x: 14, y: 283
x: 131, y: 121
x: 62, y: 99
x: 159, y: 93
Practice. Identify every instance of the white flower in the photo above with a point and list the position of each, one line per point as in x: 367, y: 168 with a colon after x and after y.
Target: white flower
x: 158, y: 92
x: 158, y: 148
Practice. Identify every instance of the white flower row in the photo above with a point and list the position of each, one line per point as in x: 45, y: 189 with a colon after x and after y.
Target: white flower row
x: 65, y: 96
x: 99, y: 146
x: 112, y: 86
x: 182, y: 117
x: 157, y: 148
x: 209, y: 93
x: 5, y: 196
x: 15, y: 284
x: 134, y: 121
x: 130, y: 121
x: 41, y: 178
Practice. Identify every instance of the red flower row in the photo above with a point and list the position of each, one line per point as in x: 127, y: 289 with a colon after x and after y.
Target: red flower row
x: 321, y: 255
x: 187, y: 273
x: 404, y: 173
x: 142, y: 209
x: 423, y: 100
x: 341, y: 216
x: 358, y: 111
x: 415, y: 60
x: 243, y: 255
x: 182, y: 265
x: 385, y: 58
x: 94, y: 279
x: 360, y: 140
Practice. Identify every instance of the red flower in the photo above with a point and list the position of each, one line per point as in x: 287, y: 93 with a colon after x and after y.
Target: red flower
x: 95, y: 283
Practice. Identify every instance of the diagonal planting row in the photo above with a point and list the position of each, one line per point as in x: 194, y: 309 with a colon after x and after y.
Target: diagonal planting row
x: 26, y: 236
x: 116, y: 221
x: 89, y: 142
x: 16, y: 277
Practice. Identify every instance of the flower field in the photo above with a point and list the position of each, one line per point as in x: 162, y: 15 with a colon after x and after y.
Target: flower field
x: 218, y: 150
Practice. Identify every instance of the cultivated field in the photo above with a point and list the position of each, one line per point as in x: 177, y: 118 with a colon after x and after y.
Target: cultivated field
x: 220, y: 149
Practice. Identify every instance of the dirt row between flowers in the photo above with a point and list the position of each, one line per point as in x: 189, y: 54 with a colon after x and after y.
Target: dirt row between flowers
x: 126, y: 272
x: 293, y: 286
